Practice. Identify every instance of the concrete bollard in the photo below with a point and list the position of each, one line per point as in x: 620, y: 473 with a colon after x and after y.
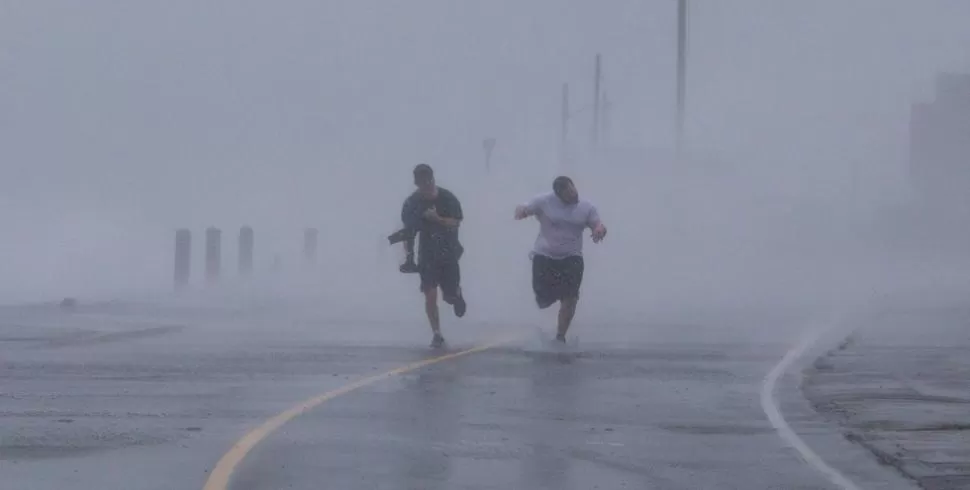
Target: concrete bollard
x: 310, y: 238
x: 183, y: 258
x: 246, y: 243
x: 213, y: 254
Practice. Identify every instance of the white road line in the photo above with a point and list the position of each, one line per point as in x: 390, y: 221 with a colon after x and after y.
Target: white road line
x: 770, y: 406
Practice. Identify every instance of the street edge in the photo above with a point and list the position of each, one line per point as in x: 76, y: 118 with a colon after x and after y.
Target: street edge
x: 769, y: 405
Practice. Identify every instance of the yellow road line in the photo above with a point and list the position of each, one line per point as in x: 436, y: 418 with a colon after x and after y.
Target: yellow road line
x: 219, y: 478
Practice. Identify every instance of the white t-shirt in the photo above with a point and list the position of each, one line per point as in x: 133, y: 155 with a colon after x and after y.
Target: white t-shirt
x: 561, y: 225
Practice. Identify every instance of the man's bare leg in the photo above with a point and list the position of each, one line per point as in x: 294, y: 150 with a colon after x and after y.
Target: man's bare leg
x: 567, y: 309
x: 431, y: 308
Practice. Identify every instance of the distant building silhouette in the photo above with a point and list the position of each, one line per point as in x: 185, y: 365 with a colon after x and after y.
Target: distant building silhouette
x: 939, y: 137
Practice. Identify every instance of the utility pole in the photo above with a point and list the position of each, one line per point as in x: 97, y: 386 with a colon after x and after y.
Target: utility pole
x: 681, y: 71
x: 597, y: 75
x: 311, y: 238
x: 607, y: 113
x: 564, y: 136
x: 488, y: 145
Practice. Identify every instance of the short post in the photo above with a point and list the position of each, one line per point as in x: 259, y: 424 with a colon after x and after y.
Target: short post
x: 246, y: 243
x: 310, y: 239
x: 183, y: 258
x: 213, y: 253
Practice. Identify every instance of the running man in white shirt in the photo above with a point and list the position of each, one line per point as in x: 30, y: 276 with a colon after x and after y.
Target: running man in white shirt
x: 557, y: 257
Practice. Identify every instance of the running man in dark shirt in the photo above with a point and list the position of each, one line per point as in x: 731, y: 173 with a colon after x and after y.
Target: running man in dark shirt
x: 435, y: 215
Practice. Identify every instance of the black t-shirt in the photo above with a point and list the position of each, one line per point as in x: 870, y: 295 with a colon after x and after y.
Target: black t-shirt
x: 439, y: 243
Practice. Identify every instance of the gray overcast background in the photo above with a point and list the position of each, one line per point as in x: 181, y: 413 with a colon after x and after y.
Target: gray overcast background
x: 122, y: 120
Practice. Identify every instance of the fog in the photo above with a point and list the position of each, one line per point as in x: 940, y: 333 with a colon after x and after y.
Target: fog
x: 121, y: 122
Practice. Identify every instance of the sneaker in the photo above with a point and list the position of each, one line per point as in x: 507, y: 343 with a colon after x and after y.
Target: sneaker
x: 409, y: 267
x: 437, y: 341
x: 460, y: 306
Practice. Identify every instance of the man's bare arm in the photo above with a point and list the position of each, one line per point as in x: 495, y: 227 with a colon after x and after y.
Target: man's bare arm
x: 450, y: 222
x: 531, y: 208
x: 522, y: 212
x: 594, y: 223
x: 599, y: 232
x: 432, y: 215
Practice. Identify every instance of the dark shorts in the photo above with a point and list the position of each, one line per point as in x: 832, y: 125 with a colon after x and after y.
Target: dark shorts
x: 446, y: 275
x: 556, y: 279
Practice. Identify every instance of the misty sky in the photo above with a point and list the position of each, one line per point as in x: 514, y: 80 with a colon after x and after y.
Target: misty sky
x: 249, y: 109
x: 124, y: 95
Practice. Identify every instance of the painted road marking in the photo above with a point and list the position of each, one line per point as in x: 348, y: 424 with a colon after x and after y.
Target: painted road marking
x: 601, y: 443
x: 770, y: 406
x: 219, y: 478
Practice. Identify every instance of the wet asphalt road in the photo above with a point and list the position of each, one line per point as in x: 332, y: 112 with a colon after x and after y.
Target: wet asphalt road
x: 901, y: 387
x: 151, y: 400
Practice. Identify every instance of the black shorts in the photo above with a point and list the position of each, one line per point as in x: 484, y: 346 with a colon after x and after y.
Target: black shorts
x: 446, y: 275
x: 556, y: 279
